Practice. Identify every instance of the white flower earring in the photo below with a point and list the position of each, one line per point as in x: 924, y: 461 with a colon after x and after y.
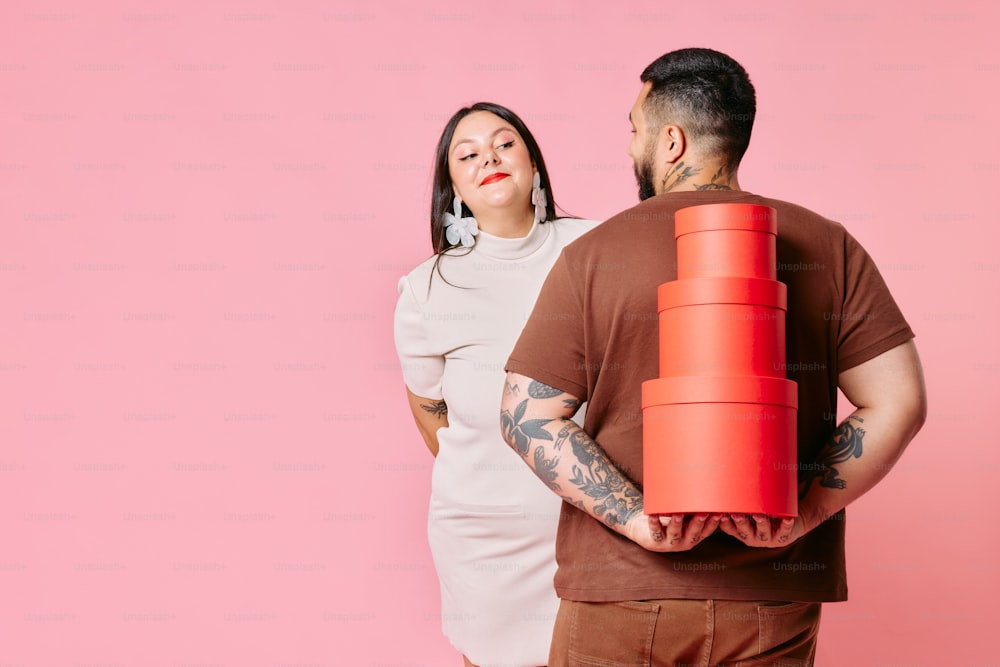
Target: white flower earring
x: 538, y: 198
x: 459, y: 230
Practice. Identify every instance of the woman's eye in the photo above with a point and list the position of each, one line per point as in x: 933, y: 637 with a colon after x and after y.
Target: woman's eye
x: 466, y: 157
x: 506, y: 145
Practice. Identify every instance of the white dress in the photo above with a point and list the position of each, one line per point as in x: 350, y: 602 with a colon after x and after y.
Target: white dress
x: 492, y: 523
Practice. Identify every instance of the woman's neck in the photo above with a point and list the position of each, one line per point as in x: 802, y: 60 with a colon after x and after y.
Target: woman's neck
x: 506, y: 225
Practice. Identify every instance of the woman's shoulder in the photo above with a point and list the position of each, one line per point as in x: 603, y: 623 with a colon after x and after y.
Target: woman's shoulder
x: 421, y: 271
x: 433, y: 279
x: 420, y: 275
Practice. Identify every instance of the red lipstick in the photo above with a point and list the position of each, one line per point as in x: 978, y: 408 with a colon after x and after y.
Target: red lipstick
x: 494, y: 177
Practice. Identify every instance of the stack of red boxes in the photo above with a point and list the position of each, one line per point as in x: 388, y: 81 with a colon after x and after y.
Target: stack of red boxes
x: 719, y: 422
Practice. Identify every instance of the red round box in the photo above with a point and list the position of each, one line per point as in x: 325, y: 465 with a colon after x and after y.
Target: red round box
x: 722, y: 326
x: 716, y: 240
x: 720, y: 444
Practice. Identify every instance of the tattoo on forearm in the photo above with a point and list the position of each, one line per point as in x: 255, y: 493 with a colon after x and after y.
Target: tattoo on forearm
x: 615, y: 498
x: 564, y: 433
x: 438, y: 408
x: 545, y: 468
x: 601, y: 482
x: 575, y: 503
x: 845, y: 444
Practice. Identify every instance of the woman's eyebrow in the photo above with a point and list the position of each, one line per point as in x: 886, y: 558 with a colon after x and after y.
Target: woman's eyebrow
x: 495, y: 133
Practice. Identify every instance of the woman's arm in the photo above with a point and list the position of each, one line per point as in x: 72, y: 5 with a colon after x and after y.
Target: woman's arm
x: 430, y: 414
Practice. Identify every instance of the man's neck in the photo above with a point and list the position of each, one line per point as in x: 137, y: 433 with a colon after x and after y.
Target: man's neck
x: 687, y: 176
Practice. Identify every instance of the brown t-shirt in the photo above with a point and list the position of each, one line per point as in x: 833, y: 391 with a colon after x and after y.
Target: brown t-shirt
x: 593, y: 333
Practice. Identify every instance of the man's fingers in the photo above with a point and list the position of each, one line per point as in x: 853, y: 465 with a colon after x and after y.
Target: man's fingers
x: 742, y: 526
x: 675, y: 529
x: 714, y: 520
x: 736, y: 526
x: 656, y: 528
x: 763, y: 523
x: 695, y: 528
x: 759, y: 530
x: 785, y: 530
x: 678, y: 532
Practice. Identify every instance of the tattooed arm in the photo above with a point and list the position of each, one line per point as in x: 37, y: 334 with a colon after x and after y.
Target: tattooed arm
x: 430, y: 415
x: 535, y: 422
x: 891, y: 407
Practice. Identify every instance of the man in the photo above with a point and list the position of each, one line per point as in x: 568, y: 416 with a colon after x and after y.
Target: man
x: 701, y: 589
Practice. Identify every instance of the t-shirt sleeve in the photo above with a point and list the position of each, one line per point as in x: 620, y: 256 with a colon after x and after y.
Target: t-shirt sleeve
x: 551, y: 347
x: 422, y: 366
x: 870, y: 321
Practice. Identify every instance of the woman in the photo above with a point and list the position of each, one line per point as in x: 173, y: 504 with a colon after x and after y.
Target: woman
x: 492, y: 523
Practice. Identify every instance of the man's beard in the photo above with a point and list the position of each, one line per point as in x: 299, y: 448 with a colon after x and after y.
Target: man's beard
x: 644, y: 174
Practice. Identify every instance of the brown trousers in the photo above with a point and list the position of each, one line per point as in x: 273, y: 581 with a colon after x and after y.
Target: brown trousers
x: 685, y: 633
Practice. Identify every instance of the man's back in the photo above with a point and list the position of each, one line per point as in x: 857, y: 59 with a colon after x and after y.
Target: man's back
x: 594, y: 335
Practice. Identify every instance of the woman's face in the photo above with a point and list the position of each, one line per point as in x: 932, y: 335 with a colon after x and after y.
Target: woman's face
x: 490, y: 166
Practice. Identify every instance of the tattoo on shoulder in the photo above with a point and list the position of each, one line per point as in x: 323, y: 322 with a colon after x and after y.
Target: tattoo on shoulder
x: 540, y: 390
x: 510, y: 389
x: 438, y: 408
x: 845, y: 444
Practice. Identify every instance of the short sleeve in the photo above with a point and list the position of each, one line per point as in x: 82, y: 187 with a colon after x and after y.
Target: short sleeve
x: 422, y: 366
x: 551, y: 347
x: 870, y: 321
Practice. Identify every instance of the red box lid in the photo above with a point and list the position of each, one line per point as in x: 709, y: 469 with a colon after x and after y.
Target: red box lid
x: 713, y: 389
x: 746, y: 291
x: 711, y: 217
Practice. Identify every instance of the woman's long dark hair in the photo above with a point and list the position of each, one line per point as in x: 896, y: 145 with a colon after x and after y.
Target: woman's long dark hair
x: 443, y: 197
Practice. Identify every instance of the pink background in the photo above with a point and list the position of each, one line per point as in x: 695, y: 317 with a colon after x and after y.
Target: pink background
x: 205, y: 453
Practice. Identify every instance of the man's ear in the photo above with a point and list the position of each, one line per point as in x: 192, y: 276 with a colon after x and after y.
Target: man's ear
x: 672, y: 143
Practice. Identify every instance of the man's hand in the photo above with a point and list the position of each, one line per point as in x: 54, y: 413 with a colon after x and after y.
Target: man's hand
x: 665, y: 533
x: 760, y: 530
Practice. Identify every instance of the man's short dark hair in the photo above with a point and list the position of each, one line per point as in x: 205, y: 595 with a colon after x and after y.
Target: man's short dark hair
x: 705, y: 93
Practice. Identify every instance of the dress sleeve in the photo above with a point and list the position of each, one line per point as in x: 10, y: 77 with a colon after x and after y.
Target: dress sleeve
x: 870, y: 321
x: 422, y: 366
